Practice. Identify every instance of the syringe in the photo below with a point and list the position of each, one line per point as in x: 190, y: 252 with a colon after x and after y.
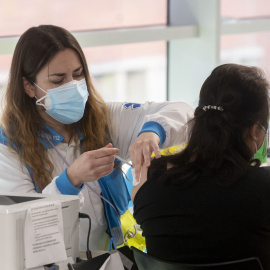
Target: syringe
x: 124, y: 161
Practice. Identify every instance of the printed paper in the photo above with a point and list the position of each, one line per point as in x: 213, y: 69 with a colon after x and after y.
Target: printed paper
x: 43, y: 234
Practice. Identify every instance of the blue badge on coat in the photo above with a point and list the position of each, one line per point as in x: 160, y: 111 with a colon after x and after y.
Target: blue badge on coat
x: 132, y: 105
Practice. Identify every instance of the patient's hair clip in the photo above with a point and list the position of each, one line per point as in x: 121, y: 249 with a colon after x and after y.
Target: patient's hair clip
x: 213, y: 107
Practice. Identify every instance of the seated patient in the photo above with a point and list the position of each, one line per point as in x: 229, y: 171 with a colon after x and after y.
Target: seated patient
x: 211, y: 202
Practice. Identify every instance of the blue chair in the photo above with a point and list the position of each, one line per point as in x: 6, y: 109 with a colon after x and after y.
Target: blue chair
x: 147, y: 262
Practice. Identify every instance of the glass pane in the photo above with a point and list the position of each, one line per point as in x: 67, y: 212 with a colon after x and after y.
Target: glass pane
x: 132, y: 72
x: 5, y: 62
x: 245, y: 8
x: 18, y: 15
x: 247, y: 49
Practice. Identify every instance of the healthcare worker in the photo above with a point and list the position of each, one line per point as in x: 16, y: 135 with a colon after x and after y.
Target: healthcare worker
x: 58, y: 136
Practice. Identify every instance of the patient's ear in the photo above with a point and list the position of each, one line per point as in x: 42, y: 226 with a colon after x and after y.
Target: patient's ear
x: 28, y: 87
x: 251, y: 136
x: 255, y: 132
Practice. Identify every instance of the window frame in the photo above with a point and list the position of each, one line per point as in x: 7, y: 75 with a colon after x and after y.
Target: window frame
x: 192, y: 37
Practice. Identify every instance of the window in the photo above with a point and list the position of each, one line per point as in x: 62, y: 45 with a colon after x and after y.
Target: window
x: 245, y: 8
x: 127, y: 72
x: 130, y: 72
x: 247, y: 49
x: 129, y: 46
x: 17, y: 16
x: 5, y: 62
x: 250, y: 45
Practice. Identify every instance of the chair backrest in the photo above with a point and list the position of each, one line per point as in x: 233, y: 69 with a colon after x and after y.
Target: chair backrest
x: 148, y: 262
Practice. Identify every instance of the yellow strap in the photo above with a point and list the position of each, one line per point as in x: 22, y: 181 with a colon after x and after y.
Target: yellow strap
x: 172, y: 150
x: 132, y: 236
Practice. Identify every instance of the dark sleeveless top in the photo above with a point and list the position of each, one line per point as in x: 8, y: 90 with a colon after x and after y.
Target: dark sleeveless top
x: 206, y: 221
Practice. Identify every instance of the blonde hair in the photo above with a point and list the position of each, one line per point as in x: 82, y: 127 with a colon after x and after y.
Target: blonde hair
x: 21, y: 121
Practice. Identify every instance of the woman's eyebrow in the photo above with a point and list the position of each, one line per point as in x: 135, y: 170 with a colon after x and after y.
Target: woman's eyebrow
x: 57, y: 74
x: 63, y: 74
x: 77, y: 69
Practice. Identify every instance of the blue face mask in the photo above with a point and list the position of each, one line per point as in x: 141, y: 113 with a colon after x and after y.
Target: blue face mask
x: 65, y: 103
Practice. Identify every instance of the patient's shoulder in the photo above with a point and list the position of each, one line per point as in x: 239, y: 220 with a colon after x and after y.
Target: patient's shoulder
x: 158, y: 167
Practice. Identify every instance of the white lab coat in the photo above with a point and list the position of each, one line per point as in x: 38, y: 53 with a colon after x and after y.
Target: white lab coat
x: 127, y: 122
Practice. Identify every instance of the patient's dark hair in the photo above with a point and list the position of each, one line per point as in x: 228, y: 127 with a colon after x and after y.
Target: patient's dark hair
x: 216, y: 141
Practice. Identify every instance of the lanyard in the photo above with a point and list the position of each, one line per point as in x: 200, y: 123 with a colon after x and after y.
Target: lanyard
x: 65, y: 161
